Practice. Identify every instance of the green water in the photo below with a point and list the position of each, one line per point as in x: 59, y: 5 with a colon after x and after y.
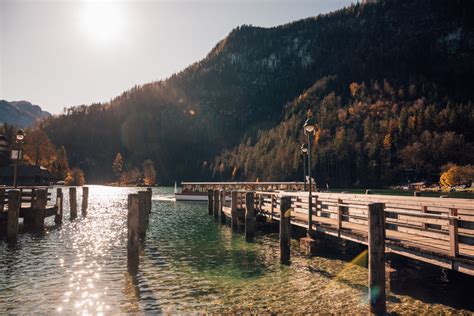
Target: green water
x: 190, y: 263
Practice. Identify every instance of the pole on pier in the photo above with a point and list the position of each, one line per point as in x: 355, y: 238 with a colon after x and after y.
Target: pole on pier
x: 150, y: 196
x: 132, y: 233
x: 210, y: 199
x: 14, y: 204
x: 249, y: 216
x: 285, y: 229
x: 233, y: 210
x: 221, y: 206
x: 377, y: 296
x: 85, y: 198
x: 2, y: 199
x: 58, y: 218
x: 40, y: 208
x: 216, y: 204
x: 72, y: 203
x: 143, y: 213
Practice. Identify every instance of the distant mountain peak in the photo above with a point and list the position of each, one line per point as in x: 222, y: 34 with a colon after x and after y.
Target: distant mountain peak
x: 21, y: 113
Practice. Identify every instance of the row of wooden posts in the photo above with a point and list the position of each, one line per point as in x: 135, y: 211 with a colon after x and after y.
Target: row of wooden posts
x: 376, y: 236
x: 39, y: 207
x: 139, y: 209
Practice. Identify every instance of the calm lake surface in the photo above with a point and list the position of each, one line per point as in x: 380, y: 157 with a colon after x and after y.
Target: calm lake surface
x: 190, y: 263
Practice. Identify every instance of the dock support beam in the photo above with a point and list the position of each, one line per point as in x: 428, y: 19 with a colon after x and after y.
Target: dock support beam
x: 143, y: 213
x: 233, y: 210
x: 132, y: 233
x: 85, y: 198
x: 40, y: 208
x: 150, y: 196
x: 58, y: 218
x: 285, y: 229
x: 249, y: 216
x: 2, y: 199
x: 210, y: 199
x: 215, y: 209
x: 72, y: 203
x: 377, y: 296
x: 14, y: 202
x: 221, y: 206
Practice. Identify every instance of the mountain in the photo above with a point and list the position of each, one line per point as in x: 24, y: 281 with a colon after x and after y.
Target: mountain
x: 206, y: 121
x: 21, y: 113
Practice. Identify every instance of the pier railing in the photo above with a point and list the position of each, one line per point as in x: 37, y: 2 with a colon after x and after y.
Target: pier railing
x: 434, y: 230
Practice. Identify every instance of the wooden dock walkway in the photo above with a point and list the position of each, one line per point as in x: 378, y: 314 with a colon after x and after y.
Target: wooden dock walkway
x: 433, y: 230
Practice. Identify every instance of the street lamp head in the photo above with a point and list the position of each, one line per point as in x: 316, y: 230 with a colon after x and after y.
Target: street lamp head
x: 309, y: 126
x: 304, y: 148
x: 20, y: 135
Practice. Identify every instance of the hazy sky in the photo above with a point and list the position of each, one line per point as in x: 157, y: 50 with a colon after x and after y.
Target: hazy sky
x: 62, y: 53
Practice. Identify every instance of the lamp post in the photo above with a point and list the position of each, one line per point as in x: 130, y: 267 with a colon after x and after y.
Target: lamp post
x: 309, y: 128
x: 17, y: 154
x: 304, y: 152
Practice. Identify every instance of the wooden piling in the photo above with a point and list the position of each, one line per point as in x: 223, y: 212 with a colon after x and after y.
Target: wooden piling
x: 14, y: 202
x: 40, y: 208
x: 210, y: 203
x: 85, y: 199
x: 132, y: 233
x: 233, y: 210
x: 453, y: 232
x: 221, y: 206
x: 72, y: 203
x: 215, y: 208
x: 249, y: 216
x: 376, y: 242
x: 2, y: 199
x: 285, y: 229
x: 58, y: 218
x: 143, y: 213
x: 150, y: 196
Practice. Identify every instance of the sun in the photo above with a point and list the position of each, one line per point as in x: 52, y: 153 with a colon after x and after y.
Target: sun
x: 101, y: 22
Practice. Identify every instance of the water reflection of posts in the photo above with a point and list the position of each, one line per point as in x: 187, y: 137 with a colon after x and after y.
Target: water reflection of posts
x: 17, y: 154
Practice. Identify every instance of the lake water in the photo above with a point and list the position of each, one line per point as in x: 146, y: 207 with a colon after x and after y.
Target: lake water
x: 190, y: 263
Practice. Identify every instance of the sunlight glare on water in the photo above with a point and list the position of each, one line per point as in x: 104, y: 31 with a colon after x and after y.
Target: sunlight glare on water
x: 188, y: 263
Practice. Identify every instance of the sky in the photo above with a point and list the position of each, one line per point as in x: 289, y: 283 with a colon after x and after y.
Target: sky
x: 63, y: 53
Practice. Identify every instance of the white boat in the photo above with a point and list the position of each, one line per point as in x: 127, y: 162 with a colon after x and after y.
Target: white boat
x: 187, y: 195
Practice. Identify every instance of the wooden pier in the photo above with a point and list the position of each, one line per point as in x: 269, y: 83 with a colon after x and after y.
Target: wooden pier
x: 432, y: 230
x: 34, y: 205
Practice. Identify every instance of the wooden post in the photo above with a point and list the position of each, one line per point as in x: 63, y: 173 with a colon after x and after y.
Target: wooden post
x: 273, y: 205
x: 221, y: 206
x: 210, y: 203
x: 72, y: 203
x: 249, y: 216
x: 2, y: 199
x: 40, y: 208
x: 58, y: 218
x: 376, y: 241
x: 143, y: 213
x: 14, y: 204
x: 85, y: 198
x: 233, y: 210
x: 285, y: 229
x: 132, y: 233
x: 424, y: 209
x: 339, y: 216
x: 216, y: 204
x: 453, y: 232
x: 150, y: 197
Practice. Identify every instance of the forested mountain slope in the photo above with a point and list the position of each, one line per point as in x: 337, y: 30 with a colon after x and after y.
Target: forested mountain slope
x: 254, y: 78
